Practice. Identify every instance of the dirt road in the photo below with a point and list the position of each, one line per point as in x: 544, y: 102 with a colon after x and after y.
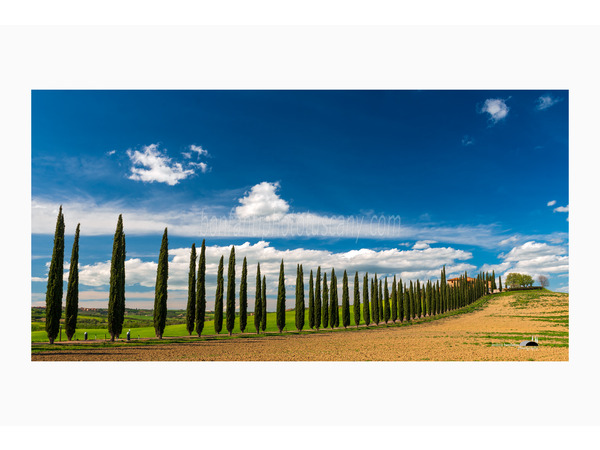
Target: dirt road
x: 476, y: 336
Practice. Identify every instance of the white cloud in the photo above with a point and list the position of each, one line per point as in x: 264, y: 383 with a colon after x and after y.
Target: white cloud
x: 151, y: 165
x: 262, y: 201
x: 546, y: 101
x: 533, y: 258
x: 112, y: 152
x: 564, y: 288
x: 202, y: 166
x: 562, y: 209
x: 509, y: 240
x: 420, y: 245
x: 496, y: 108
x: 199, y: 150
x: 186, y: 155
x: 467, y: 140
x: 552, y: 203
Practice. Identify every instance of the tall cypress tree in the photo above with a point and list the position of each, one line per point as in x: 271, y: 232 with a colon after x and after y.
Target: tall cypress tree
x: 366, y: 309
x: 54, y: 290
x: 418, y: 299
x: 73, y: 289
x: 116, y: 295
x: 334, y: 313
x: 411, y: 306
x: 394, y: 301
x: 263, y: 304
x: 400, y: 294
x: 311, y: 302
x: 356, y: 300
x: 281, y: 299
x: 201, y: 290
x: 218, y: 321
x: 160, y: 290
x: 244, y: 296
x: 258, y: 301
x: 190, y: 316
x: 386, y: 300
x: 318, y: 299
x: 300, y: 307
x: 375, y: 300
x: 230, y: 313
x: 345, y: 301
x: 500, y: 283
x: 325, y: 307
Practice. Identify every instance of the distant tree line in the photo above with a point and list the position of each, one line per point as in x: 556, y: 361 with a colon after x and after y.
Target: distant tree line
x: 381, y: 304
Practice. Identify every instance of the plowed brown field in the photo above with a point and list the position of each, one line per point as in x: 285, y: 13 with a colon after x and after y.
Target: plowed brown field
x: 475, y: 336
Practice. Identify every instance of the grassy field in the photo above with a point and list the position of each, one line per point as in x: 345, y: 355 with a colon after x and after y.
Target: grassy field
x: 174, y: 330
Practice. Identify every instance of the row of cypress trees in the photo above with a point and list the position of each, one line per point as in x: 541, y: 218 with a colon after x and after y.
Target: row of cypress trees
x: 405, y: 303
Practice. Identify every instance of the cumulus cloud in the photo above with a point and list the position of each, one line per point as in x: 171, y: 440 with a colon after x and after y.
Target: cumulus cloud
x: 420, y: 245
x: 496, y: 108
x: 262, y: 201
x: 151, y: 165
x: 562, y: 209
x: 546, y: 101
x: 112, y: 152
x: 533, y: 258
x: 552, y: 203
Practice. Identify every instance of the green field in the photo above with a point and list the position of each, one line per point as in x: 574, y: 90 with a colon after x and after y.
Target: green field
x: 174, y: 330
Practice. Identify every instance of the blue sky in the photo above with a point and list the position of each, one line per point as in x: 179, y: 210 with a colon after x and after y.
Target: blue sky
x: 397, y: 182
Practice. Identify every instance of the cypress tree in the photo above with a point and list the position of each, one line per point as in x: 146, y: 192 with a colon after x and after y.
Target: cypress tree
x: 201, y: 290
x: 418, y: 300
x: 263, y: 304
x: 366, y: 310
x: 394, y: 301
x: 500, y: 283
x: 230, y: 313
x: 73, y: 289
x: 386, y: 300
x: 411, y: 305
x: 493, y: 280
x: 356, y: 300
x: 325, y: 307
x: 334, y: 314
x: 160, y: 291
x: 281, y: 300
x: 300, y: 307
x: 218, y: 321
x: 244, y: 296
x: 374, y: 300
x: 54, y: 290
x: 190, y: 316
x: 318, y: 299
x: 345, y: 301
x: 311, y: 302
x: 381, y: 302
x: 258, y: 301
x: 400, y: 301
x: 116, y: 295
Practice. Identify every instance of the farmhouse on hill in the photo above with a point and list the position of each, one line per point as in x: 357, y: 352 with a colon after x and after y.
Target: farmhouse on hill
x: 453, y: 281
